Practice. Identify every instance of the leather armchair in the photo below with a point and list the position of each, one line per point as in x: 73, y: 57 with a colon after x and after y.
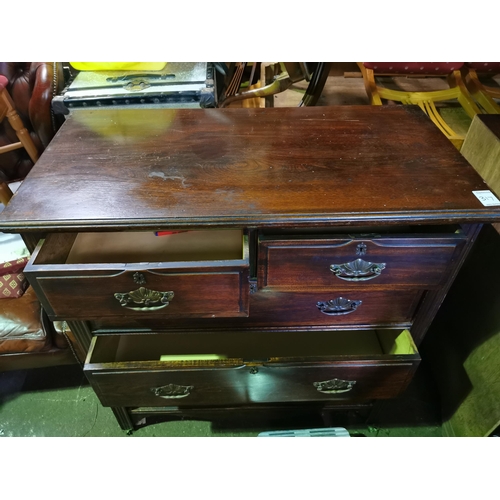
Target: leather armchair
x: 32, y: 85
x: 27, y: 338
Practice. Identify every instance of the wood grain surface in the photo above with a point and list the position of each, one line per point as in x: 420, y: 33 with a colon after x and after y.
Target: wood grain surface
x: 235, y: 167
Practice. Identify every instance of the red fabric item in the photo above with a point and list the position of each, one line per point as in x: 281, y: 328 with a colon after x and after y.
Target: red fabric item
x: 13, y: 284
x: 485, y: 67
x: 3, y: 82
x: 413, y: 68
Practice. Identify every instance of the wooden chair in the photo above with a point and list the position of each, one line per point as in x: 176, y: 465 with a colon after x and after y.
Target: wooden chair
x: 426, y: 100
x: 474, y: 75
x: 8, y: 110
x: 287, y: 74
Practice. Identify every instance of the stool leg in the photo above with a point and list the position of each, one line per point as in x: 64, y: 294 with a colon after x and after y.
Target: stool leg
x: 17, y: 124
x: 5, y: 193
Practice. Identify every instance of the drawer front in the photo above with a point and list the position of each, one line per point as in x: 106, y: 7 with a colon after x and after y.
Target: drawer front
x: 301, y: 264
x: 355, y: 381
x: 267, y: 383
x: 146, y: 294
x: 186, y: 387
x: 369, y: 308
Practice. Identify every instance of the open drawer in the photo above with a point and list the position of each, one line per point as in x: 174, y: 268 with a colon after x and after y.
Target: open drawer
x: 214, y: 369
x: 200, y: 274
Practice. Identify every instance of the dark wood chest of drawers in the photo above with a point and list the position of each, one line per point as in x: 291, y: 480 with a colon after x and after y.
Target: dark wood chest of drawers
x: 207, y: 259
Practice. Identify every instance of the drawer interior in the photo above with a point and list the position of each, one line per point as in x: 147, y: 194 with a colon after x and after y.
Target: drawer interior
x: 128, y: 247
x: 249, y: 345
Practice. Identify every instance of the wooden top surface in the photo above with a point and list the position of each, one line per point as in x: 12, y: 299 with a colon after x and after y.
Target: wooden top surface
x: 133, y: 169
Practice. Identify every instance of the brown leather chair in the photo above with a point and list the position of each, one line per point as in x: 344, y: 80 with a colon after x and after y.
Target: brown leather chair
x: 32, y: 85
x: 27, y: 338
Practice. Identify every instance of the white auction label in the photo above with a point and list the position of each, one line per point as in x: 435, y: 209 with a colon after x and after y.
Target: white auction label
x: 487, y: 198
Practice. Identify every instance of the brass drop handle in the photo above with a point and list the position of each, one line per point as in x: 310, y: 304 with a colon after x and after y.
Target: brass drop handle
x: 334, y: 386
x: 172, y: 391
x: 357, y: 270
x: 144, y: 299
x: 338, y: 307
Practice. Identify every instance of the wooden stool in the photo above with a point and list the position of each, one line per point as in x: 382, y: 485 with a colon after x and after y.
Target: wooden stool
x: 8, y: 110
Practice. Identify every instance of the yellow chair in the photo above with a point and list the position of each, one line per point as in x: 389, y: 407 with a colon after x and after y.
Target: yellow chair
x: 474, y: 74
x: 426, y: 100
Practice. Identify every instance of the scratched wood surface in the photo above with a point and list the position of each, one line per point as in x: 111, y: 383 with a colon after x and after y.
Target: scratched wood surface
x: 235, y: 167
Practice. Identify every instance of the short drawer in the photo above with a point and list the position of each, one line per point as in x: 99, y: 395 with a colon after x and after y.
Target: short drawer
x: 249, y: 367
x: 371, y: 308
x: 195, y: 274
x: 295, y: 263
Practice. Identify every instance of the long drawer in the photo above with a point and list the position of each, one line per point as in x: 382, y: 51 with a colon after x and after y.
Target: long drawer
x: 196, y: 274
x: 246, y: 368
x: 326, y: 262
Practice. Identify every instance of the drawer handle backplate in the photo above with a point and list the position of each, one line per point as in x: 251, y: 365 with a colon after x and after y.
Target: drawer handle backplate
x: 334, y: 386
x: 172, y: 391
x: 339, y: 306
x: 144, y: 299
x: 357, y: 270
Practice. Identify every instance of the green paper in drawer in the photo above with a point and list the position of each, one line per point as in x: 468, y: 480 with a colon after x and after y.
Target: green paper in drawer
x: 191, y: 357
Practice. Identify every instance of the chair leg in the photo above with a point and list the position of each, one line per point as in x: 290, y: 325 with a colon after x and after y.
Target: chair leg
x: 17, y: 124
x: 478, y: 91
x: 5, y: 193
x: 464, y: 97
x: 370, y: 85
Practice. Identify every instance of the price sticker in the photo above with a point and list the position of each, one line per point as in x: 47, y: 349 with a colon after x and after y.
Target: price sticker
x: 487, y: 198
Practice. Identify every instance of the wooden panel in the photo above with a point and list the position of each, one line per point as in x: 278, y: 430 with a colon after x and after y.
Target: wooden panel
x: 208, y: 293
x: 304, y: 264
x: 221, y: 386
x: 153, y: 168
x: 300, y: 309
x: 371, y: 380
x: 481, y: 148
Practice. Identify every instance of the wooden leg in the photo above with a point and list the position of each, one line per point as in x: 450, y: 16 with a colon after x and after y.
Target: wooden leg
x: 5, y: 193
x: 121, y: 414
x: 17, y: 124
x: 82, y: 333
x: 370, y: 85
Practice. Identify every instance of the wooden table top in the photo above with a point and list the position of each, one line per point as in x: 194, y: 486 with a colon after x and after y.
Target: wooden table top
x: 142, y: 169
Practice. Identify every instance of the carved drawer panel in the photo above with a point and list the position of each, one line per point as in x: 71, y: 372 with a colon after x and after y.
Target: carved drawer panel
x: 198, y: 274
x: 276, y: 367
x: 354, y: 307
x: 345, y: 262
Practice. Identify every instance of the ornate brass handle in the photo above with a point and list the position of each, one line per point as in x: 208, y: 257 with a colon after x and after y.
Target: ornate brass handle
x: 339, y: 306
x: 144, y: 299
x: 172, y: 391
x: 334, y: 386
x: 357, y: 270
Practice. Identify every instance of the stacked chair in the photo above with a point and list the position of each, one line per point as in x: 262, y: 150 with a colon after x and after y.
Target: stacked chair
x: 427, y: 99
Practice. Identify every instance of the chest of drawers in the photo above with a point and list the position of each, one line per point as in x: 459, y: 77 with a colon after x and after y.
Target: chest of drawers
x: 211, y: 259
